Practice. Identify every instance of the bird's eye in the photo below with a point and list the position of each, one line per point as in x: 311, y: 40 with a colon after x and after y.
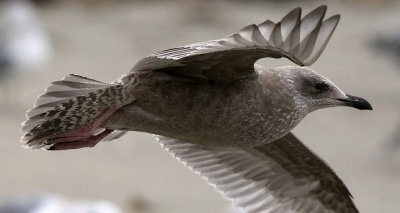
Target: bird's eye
x: 321, y: 86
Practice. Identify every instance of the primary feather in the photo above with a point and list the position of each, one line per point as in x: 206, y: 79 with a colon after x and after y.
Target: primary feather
x: 282, y: 176
x: 233, y: 57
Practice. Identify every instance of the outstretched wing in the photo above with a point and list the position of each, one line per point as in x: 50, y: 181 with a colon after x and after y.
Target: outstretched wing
x: 282, y: 176
x: 233, y: 57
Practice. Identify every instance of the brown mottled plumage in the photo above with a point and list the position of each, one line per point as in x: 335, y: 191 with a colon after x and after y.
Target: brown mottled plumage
x: 224, y: 117
x: 73, y: 102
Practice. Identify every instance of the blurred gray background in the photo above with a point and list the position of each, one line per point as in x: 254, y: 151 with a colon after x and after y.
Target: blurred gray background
x: 103, y: 39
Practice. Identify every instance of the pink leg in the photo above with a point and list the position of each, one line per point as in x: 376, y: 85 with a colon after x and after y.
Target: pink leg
x: 67, y: 139
x: 83, y: 136
x: 88, y: 142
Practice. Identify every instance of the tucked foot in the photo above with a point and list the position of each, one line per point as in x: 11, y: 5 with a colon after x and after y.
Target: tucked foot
x: 85, y: 136
x: 77, y: 142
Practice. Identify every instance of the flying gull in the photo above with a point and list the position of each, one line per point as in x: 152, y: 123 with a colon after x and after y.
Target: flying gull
x: 24, y: 44
x: 48, y: 203
x: 214, y: 110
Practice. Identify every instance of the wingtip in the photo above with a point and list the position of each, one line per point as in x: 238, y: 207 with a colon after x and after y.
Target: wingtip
x: 335, y: 19
x: 296, y: 10
x: 320, y: 10
x: 337, y: 16
x: 293, y: 14
x: 323, y: 6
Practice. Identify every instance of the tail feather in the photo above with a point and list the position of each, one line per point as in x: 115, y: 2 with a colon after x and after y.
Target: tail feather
x: 72, y: 102
x: 57, y: 93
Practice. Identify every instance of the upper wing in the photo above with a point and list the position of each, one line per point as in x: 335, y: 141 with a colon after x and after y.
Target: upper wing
x: 282, y: 176
x: 233, y: 57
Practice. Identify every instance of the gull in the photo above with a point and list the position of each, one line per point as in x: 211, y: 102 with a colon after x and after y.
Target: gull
x: 48, y: 203
x: 24, y: 44
x: 216, y: 111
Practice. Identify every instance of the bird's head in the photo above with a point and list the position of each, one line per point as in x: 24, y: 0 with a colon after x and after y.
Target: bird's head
x: 316, y: 91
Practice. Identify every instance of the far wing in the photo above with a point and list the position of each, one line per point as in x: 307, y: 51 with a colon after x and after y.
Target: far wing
x: 233, y: 57
x: 282, y: 176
